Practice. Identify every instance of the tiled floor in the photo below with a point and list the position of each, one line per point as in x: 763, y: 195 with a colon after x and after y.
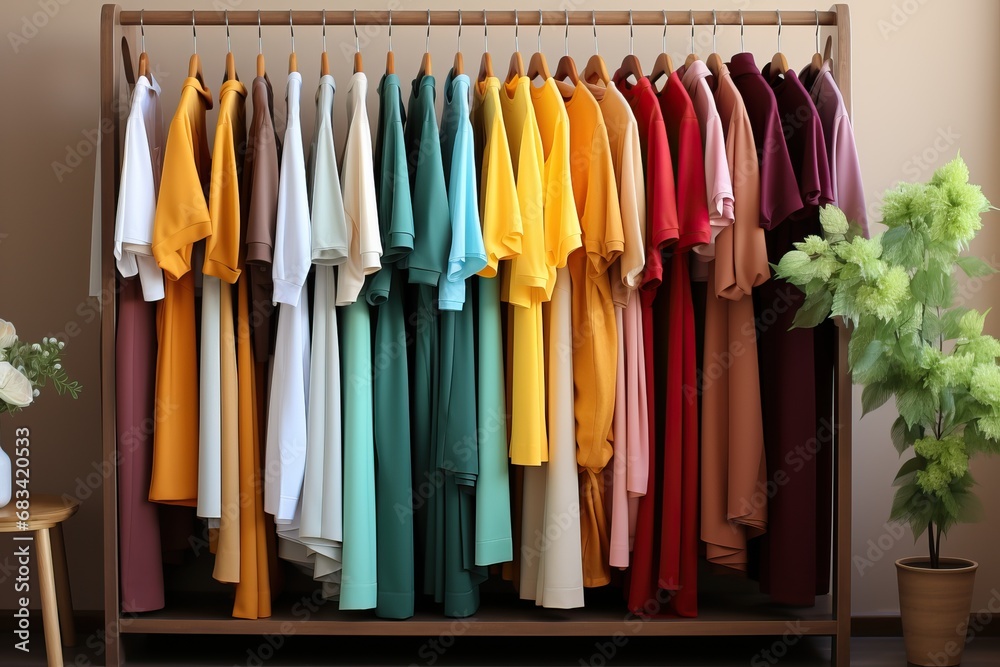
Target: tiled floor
x: 166, y: 651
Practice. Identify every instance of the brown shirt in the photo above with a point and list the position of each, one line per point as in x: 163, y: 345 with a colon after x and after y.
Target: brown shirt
x: 260, y: 192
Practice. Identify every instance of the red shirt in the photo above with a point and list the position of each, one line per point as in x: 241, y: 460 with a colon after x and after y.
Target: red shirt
x: 662, y: 228
x: 688, y: 159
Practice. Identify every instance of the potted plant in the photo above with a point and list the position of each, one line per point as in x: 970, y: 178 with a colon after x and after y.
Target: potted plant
x: 912, y: 342
x: 25, y: 368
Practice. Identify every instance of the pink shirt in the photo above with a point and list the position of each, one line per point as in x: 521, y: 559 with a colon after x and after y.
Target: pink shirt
x: 718, y: 184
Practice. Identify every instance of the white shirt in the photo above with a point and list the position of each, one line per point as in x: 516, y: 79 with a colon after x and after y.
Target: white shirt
x: 291, y: 231
x: 358, y: 185
x: 142, y: 159
x: 285, y: 451
x: 321, y: 524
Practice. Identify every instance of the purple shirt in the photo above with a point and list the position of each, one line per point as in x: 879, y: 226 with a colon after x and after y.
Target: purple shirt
x: 845, y: 168
x: 779, y: 194
x: 804, y: 139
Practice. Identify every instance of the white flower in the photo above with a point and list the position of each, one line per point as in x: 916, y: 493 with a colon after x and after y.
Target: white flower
x: 15, y: 388
x: 36, y: 393
x: 61, y: 345
x: 36, y: 347
x: 8, y: 335
x: 57, y: 366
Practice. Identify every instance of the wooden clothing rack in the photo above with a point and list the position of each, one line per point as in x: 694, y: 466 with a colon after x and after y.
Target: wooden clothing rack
x: 830, y: 618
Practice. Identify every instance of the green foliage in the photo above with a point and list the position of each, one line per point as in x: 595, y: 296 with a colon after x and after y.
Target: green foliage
x: 909, y: 340
x: 41, y: 363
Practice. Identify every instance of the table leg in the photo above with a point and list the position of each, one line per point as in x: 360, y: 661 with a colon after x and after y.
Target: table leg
x: 63, y: 595
x: 50, y: 611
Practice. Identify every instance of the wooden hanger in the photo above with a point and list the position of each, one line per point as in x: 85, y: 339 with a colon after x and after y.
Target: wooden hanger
x: 458, y: 66
x: 293, y: 60
x: 127, y: 63
x: 425, y: 62
x: 779, y: 63
x: 692, y: 56
x: 358, y: 64
x: 566, y: 67
x: 714, y: 60
x: 230, y: 60
x: 260, y: 48
x: 816, y: 64
x: 324, y: 60
x: 194, y: 64
x: 664, y: 64
x: 630, y: 64
x: 390, y: 58
x: 143, y: 58
x: 596, y: 70
x: 486, y: 63
x: 828, y: 48
x: 516, y: 68
x: 538, y: 66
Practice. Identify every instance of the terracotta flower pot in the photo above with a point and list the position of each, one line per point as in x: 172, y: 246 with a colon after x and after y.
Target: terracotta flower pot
x: 934, y: 606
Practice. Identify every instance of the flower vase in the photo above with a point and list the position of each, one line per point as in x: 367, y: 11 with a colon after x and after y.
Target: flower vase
x: 5, y: 477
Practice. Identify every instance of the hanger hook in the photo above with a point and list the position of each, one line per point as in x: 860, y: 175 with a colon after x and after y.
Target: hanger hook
x: 142, y: 32
x: 566, y: 35
x: 427, y: 39
x: 538, y: 44
x: 691, y: 13
x: 229, y: 42
x: 357, y: 41
x: 486, y: 33
x: 742, y: 46
x: 324, y: 31
x: 194, y: 33
x: 778, y: 11
x: 390, y: 30
x: 631, y: 48
x: 291, y: 29
x: 715, y: 29
x: 664, y: 39
x: 260, y: 35
x: 516, y: 46
x: 459, y: 49
x: 817, y: 31
x: 593, y: 19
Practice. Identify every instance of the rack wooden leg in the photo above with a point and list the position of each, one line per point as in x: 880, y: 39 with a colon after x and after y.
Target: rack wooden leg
x: 50, y: 610
x: 63, y: 594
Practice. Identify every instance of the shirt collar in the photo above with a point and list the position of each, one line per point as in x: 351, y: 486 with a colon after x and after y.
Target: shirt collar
x: 150, y: 83
x: 691, y: 73
x: 742, y: 63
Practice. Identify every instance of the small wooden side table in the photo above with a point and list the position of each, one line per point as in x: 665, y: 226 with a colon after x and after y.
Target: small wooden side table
x: 47, y: 513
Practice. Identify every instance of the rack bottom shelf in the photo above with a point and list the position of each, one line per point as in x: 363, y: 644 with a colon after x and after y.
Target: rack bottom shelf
x: 742, y: 616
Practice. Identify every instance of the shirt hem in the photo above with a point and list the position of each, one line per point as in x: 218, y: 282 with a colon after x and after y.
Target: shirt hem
x: 221, y: 271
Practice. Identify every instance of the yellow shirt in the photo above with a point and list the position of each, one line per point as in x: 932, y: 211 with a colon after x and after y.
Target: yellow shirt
x: 527, y: 279
x: 562, y: 224
x: 182, y: 217
x: 595, y: 334
x: 498, y: 203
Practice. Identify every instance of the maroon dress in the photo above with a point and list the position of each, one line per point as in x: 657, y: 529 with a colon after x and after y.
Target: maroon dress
x: 138, y: 519
x: 794, y: 176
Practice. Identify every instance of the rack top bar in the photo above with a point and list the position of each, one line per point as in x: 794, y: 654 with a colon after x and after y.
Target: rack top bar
x: 495, y: 17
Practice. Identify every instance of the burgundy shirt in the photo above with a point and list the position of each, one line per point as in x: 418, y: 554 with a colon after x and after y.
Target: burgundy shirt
x: 779, y: 193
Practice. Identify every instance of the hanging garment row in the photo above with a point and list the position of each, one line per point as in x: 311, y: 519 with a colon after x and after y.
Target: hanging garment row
x: 536, y: 335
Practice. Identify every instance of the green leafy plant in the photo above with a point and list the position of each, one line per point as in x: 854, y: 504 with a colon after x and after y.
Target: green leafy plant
x: 26, y: 368
x: 910, y: 340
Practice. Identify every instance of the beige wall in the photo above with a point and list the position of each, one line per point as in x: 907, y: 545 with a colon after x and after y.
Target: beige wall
x: 921, y: 91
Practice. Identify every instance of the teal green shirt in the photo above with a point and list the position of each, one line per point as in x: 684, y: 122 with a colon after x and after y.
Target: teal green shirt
x: 429, y: 259
x: 457, y: 454
x: 393, y: 496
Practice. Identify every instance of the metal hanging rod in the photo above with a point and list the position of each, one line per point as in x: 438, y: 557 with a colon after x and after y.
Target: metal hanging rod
x: 495, y: 18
